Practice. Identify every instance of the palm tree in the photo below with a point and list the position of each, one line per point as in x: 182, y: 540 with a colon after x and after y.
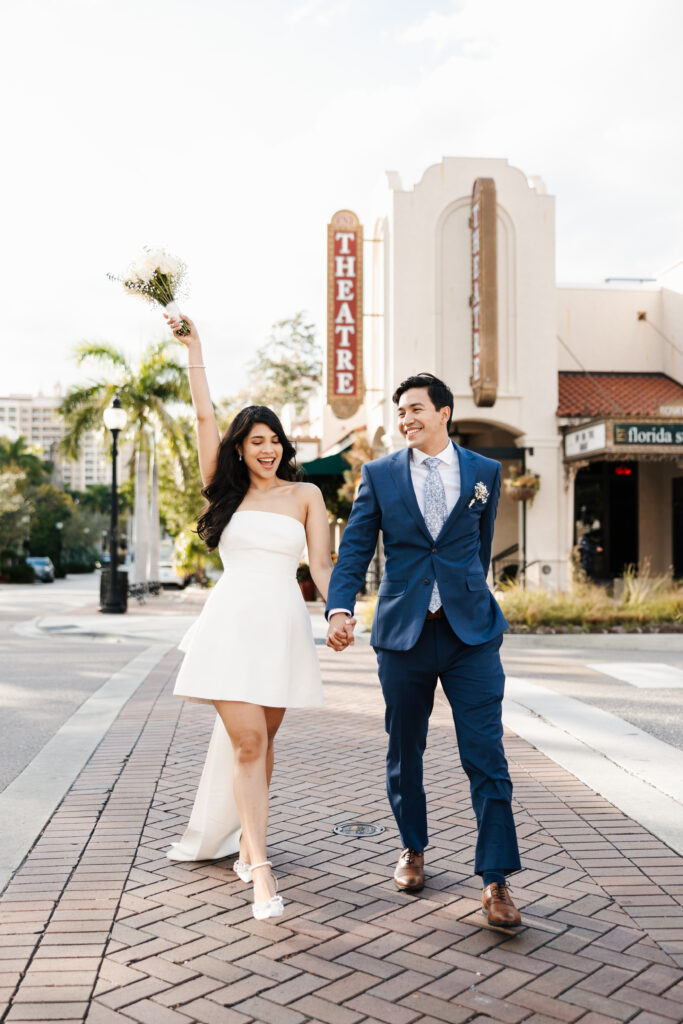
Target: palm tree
x: 16, y: 455
x: 146, y: 390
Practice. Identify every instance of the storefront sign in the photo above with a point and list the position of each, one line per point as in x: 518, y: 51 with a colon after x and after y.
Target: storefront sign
x: 671, y: 410
x: 484, y: 299
x: 588, y: 439
x: 344, y: 314
x: 648, y: 433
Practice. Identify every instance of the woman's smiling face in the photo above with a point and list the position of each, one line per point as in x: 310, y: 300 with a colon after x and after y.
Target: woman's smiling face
x: 261, y: 451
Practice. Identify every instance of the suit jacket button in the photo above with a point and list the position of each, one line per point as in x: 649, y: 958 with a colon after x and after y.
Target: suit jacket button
x: 426, y: 582
x: 433, y: 551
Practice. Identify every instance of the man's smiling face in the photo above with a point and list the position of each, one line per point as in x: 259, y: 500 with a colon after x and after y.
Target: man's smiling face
x: 422, y: 425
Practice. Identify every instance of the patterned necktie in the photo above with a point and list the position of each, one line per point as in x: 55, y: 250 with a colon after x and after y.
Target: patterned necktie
x: 436, y: 513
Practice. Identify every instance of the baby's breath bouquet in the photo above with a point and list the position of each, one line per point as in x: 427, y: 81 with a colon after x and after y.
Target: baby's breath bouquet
x: 157, y: 277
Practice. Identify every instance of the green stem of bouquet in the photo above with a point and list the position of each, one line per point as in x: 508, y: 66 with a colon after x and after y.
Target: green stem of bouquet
x: 163, y: 288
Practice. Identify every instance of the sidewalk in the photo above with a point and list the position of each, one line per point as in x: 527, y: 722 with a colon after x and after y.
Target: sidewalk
x: 97, y: 925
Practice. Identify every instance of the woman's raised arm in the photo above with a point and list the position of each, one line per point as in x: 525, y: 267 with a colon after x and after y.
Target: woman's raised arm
x: 208, y: 435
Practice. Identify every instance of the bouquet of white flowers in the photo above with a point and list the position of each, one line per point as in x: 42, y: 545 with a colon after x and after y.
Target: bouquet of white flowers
x: 156, y: 277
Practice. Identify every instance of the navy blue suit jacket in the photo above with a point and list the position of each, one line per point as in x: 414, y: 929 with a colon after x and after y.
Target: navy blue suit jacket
x: 458, y: 559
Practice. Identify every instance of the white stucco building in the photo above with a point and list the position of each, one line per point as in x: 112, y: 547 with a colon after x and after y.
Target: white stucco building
x: 607, y: 356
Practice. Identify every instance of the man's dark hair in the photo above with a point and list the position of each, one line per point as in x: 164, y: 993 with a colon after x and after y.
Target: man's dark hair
x: 439, y: 393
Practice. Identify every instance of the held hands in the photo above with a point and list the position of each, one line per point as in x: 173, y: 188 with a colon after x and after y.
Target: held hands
x: 340, y: 631
x: 192, y: 338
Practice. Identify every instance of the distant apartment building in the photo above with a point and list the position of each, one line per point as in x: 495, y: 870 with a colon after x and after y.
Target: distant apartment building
x: 35, y: 418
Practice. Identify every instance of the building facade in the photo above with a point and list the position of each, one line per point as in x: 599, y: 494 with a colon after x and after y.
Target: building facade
x: 588, y: 393
x: 35, y: 418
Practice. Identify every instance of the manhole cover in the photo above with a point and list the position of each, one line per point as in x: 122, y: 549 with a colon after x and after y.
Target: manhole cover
x: 358, y: 828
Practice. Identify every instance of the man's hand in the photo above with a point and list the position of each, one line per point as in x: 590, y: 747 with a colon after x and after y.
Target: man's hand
x: 340, y: 631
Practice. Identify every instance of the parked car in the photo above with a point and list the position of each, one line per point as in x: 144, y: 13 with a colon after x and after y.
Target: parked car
x: 42, y: 567
x: 169, y: 576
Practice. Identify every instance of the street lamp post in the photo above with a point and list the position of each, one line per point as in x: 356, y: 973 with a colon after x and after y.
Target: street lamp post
x: 115, y: 419
x: 60, y: 527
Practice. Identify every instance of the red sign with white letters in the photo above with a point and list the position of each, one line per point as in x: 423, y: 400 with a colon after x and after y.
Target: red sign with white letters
x: 344, y: 313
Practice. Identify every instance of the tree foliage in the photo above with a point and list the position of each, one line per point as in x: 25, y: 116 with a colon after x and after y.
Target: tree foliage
x: 287, y: 370
x: 51, y: 505
x: 181, y: 502
x: 96, y: 498
x: 18, y: 456
x: 15, y: 511
x: 147, y: 391
x: 358, y: 454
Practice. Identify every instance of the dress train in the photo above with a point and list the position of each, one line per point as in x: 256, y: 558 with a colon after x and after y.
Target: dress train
x: 214, y: 828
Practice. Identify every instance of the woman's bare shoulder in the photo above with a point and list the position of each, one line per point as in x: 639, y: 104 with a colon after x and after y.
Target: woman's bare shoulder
x: 311, y: 492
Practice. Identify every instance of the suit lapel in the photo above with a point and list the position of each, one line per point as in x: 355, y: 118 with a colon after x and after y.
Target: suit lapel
x: 468, y: 471
x: 400, y: 469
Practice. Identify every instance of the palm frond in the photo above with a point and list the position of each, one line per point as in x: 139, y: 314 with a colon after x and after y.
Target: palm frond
x: 80, y: 396
x: 100, y: 351
x: 83, y: 410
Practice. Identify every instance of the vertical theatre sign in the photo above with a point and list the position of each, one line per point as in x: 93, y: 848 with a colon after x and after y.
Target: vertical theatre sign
x: 344, y: 314
x: 484, y: 293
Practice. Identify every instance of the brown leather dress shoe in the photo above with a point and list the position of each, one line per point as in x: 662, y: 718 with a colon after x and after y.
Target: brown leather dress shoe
x: 498, y: 906
x: 410, y: 871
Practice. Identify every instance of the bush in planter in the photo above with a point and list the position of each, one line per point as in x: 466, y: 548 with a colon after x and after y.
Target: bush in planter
x: 79, y: 567
x: 303, y: 573
x: 80, y: 558
x: 647, y: 601
x: 21, y: 573
x: 521, y: 486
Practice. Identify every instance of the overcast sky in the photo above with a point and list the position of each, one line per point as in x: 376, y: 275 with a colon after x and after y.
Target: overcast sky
x: 230, y: 130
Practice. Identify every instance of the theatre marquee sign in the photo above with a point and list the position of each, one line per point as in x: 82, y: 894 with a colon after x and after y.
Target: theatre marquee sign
x: 344, y: 314
x: 484, y: 299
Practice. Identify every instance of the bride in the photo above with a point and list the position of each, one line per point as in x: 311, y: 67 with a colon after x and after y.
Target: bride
x: 251, y: 651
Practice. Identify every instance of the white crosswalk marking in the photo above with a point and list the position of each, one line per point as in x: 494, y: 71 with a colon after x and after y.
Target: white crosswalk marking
x: 644, y: 674
x: 636, y: 772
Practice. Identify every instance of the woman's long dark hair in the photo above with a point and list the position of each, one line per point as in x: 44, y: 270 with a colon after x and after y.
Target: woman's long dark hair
x: 226, y: 489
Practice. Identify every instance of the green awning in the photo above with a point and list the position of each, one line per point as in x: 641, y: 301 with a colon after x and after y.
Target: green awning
x: 333, y: 465
x: 330, y: 465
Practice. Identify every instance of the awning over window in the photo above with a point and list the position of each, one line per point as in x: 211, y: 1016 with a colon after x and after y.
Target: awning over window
x: 330, y: 465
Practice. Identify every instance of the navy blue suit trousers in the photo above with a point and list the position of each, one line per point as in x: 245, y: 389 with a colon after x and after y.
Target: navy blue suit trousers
x: 472, y: 679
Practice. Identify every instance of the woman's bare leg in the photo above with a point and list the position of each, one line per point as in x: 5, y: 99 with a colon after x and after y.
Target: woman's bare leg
x: 274, y: 718
x: 247, y: 727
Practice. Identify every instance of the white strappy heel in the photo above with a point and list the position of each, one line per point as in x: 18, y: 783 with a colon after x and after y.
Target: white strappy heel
x: 242, y: 870
x: 274, y: 907
x: 241, y: 867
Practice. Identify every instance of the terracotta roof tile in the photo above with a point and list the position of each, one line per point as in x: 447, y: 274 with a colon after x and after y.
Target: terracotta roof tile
x: 616, y: 394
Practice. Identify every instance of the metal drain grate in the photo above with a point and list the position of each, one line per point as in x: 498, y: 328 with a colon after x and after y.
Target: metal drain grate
x: 358, y: 828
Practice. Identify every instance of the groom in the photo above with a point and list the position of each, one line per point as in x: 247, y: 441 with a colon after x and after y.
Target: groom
x: 435, y: 504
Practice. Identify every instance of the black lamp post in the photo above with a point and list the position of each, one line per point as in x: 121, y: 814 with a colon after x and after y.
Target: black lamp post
x: 60, y: 527
x: 115, y: 419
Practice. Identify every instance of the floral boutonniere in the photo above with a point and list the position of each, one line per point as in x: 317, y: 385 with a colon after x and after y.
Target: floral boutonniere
x: 481, y: 493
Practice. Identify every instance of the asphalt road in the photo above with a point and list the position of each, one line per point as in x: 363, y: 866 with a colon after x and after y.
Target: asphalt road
x: 44, y: 679
x: 572, y: 670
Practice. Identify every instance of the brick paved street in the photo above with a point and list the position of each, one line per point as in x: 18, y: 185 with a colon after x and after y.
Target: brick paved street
x: 97, y: 925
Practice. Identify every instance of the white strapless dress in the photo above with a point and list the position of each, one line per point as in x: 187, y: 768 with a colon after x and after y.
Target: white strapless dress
x: 252, y: 642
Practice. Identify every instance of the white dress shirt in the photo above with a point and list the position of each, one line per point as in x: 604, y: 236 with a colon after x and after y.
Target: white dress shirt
x: 449, y: 471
